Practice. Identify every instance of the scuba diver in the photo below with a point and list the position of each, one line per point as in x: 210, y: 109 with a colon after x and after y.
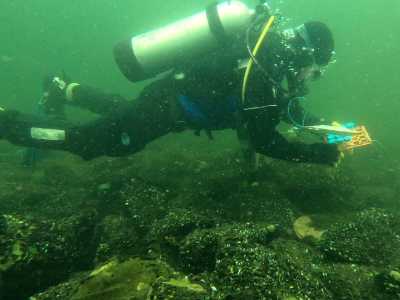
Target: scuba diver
x: 226, y: 67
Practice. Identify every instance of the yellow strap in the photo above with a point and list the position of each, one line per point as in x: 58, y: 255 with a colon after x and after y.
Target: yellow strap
x: 260, y: 41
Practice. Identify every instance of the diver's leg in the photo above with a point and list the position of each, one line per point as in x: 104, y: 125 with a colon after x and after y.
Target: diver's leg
x: 105, y: 136
x: 58, y: 91
x: 94, y: 100
x: 97, y: 101
x: 128, y: 130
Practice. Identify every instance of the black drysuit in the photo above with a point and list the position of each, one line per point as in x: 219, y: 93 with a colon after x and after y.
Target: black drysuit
x: 204, y: 95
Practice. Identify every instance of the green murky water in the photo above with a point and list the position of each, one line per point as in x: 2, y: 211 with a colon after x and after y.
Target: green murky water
x: 184, y: 195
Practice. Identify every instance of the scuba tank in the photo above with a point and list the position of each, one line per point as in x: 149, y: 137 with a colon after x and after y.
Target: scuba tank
x: 146, y: 55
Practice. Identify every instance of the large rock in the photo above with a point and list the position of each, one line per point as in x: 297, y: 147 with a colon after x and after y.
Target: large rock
x: 131, y: 279
x: 251, y: 261
x: 373, y: 238
x: 389, y: 283
x: 283, y: 270
x: 177, y: 289
x: 179, y: 223
x: 350, y: 281
x: 117, y: 237
x: 199, y: 250
x: 36, y: 254
x: 141, y: 202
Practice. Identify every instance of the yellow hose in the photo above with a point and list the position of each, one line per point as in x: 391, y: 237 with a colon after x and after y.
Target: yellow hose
x: 260, y: 41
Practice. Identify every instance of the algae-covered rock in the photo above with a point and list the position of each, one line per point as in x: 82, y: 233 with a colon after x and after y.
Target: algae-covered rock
x: 36, y: 254
x: 350, y: 281
x: 372, y: 238
x: 233, y: 200
x: 131, y: 279
x: 15, y: 243
x: 198, y: 251
x: 251, y: 261
x: 141, y: 202
x: 166, y: 234
x: 281, y: 270
x: 389, y: 284
x: 177, y: 224
x: 62, y: 291
x: 180, y: 288
x: 117, y: 238
x: 240, y: 272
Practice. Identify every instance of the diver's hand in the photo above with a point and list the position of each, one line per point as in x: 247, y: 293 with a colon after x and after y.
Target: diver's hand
x: 54, y: 90
x: 328, y: 154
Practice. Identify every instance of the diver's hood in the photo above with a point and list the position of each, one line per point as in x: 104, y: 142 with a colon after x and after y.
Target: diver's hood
x: 312, y: 42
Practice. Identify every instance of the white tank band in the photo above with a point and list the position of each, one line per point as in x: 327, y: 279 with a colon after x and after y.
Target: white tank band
x: 68, y: 92
x: 47, y: 134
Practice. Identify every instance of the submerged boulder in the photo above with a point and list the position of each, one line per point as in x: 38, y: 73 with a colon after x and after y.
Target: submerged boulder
x: 176, y: 225
x: 142, y: 203
x: 36, y: 254
x: 389, y: 283
x: 117, y: 237
x: 130, y: 279
x: 177, y: 289
x: 283, y: 270
x: 199, y: 250
x: 253, y: 261
x: 373, y: 238
x: 350, y: 281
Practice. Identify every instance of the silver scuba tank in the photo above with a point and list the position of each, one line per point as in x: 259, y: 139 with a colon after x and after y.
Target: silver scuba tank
x: 146, y: 55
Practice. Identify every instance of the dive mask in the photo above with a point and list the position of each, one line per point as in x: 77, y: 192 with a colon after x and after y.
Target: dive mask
x: 304, y: 65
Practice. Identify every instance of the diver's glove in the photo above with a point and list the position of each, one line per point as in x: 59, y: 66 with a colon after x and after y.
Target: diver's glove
x: 57, y: 89
x: 54, y: 88
x: 328, y: 154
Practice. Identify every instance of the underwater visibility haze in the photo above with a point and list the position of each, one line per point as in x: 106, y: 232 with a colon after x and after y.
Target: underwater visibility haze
x: 185, y: 217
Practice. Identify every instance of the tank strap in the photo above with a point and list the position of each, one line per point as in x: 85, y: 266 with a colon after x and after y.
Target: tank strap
x: 215, y: 24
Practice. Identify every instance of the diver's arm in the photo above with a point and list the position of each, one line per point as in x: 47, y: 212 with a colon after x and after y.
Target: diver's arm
x: 266, y: 140
x: 279, y: 147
